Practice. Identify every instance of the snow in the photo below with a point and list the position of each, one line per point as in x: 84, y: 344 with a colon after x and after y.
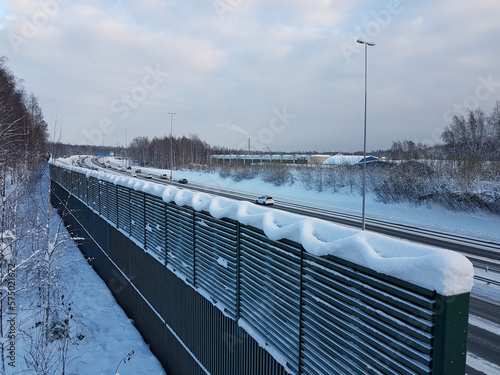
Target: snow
x: 101, y: 336
x: 341, y: 159
x: 446, y: 272
x: 484, y: 324
x: 480, y: 365
x: 489, y: 292
x: 261, y: 340
x: 222, y: 262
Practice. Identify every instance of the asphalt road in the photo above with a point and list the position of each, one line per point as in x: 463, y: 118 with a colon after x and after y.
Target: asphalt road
x: 483, y: 339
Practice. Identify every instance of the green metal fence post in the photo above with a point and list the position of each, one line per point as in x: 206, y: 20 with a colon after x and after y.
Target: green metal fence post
x: 144, y: 221
x: 165, y: 240
x: 238, y: 262
x: 450, y: 336
x: 301, y: 306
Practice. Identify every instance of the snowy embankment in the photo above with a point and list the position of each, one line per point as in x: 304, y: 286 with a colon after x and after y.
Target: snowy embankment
x: 76, y: 326
x: 446, y: 272
x: 102, y: 339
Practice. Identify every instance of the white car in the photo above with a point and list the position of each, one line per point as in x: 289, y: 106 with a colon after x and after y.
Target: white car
x: 265, y: 199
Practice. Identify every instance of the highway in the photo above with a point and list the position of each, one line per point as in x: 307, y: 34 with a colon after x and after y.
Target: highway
x: 480, y: 252
x: 484, y: 328
x: 483, y: 340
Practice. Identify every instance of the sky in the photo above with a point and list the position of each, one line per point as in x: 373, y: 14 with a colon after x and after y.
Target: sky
x: 288, y: 75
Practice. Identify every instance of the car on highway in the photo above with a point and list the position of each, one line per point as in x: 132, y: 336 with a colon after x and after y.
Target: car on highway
x: 149, y: 175
x: 182, y: 181
x: 134, y: 174
x: 265, y: 199
x: 138, y: 171
x: 164, y: 176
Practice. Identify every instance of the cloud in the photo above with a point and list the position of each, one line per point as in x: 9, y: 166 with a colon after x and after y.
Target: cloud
x: 236, y: 68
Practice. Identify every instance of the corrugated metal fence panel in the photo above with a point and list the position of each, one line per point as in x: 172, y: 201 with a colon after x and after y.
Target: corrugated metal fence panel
x: 81, y: 186
x: 61, y: 176
x: 73, y: 184
x: 112, y: 203
x: 216, y: 253
x: 103, y: 199
x: 123, y: 215
x: 137, y: 216
x: 93, y: 193
x: 155, y: 228
x: 180, y: 241
x: 354, y: 322
x: 270, y: 292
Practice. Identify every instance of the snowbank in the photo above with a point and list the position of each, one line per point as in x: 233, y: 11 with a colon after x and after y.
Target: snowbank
x: 341, y: 159
x: 446, y: 272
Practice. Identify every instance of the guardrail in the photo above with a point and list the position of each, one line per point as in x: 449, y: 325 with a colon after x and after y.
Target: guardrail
x: 488, y: 280
x: 218, y: 296
x: 488, y: 269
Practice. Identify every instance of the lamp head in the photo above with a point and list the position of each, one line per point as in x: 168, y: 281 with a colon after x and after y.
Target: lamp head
x: 361, y: 41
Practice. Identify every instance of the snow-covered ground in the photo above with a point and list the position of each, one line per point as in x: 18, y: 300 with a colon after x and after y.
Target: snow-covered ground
x: 99, y: 338
x: 108, y: 336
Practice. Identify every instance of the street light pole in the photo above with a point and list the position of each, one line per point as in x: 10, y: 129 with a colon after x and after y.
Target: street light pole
x: 364, y: 137
x: 126, y: 153
x: 171, y: 146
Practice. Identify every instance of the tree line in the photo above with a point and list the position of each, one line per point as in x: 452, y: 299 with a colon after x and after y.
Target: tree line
x: 30, y: 247
x: 473, y: 137
x: 157, y: 152
x: 23, y: 130
x: 170, y: 152
x: 470, y: 138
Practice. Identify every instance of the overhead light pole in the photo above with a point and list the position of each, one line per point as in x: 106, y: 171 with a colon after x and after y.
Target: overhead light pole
x: 371, y: 44
x: 126, y: 153
x: 171, y: 146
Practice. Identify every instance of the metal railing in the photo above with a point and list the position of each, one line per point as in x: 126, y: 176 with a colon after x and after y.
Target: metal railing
x: 314, y: 315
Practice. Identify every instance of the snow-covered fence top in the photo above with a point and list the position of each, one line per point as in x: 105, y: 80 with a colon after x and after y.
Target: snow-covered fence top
x: 446, y: 272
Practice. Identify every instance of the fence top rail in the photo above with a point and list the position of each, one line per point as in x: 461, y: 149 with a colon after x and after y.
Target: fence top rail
x: 446, y: 272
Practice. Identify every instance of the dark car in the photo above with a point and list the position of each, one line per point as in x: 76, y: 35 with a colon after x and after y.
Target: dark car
x: 138, y: 171
x: 183, y: 181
